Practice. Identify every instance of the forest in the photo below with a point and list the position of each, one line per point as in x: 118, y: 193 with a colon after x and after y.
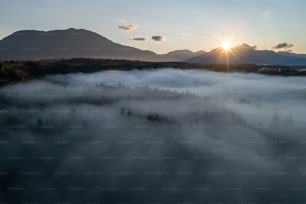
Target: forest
x: 15, y: 71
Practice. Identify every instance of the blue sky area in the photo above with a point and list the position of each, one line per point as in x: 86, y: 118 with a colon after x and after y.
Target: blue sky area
x: 184, y: 24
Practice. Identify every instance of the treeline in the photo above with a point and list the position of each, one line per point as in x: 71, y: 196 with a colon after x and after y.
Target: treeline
x: 11, y: 71
x: 14, y: 71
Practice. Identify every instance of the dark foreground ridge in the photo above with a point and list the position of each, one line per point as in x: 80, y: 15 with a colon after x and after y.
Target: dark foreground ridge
x: 15, y: 71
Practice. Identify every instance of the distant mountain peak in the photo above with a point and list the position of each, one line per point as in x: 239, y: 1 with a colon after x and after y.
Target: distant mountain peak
x: 180, y: 55
x: 184, y: 51
x: 245, y: 46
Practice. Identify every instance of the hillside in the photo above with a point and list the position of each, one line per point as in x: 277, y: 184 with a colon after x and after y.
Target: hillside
x: 80, y: 43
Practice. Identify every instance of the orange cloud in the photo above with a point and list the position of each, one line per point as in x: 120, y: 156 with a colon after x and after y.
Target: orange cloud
x: 130, y: 27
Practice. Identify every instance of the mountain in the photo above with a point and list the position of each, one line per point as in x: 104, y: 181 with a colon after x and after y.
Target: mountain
x: 75, y: 43
x: 70, y: 43
x: 245, y: 54
x: 292, y: 54
x: 181, y: 55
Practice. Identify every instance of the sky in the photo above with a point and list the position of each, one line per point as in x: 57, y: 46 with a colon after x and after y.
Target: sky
x: 165, y: 25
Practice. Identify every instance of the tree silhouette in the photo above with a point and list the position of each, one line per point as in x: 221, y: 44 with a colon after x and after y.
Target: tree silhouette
x: 40, y: 122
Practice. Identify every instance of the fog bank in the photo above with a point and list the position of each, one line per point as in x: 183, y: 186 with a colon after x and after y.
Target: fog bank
x: 162, y: 136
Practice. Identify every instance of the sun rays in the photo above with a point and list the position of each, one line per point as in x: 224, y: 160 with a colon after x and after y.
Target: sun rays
x: 226, y: 45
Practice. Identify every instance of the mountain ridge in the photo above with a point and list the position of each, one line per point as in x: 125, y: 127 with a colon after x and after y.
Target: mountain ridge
x: 75, y: 43
x: 246, y: 54
x: 32, y: 44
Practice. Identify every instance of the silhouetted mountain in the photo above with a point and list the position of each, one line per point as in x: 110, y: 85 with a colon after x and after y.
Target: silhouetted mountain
x: 245, y: 54
x: 80, y: 43
x: 181, y: 55
x: 290, y: 54
x: 70, y: 43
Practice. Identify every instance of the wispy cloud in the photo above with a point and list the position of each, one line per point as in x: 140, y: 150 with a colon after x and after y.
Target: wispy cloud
x: 139, y: 39
x: 159, y: 38
x: 121, y: 20
x: 130, y: 27
x: 283, y: 46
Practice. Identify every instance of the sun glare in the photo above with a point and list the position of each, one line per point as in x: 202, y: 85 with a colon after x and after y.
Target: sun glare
x: 226, y: 45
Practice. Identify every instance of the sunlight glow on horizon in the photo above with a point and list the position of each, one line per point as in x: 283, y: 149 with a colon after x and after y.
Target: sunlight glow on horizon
x: 226, y: 45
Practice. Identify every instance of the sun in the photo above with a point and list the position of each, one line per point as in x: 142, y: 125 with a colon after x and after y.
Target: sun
x: 226, y: 45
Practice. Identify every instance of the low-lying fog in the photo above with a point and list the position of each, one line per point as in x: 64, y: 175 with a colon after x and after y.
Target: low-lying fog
x: 162, y: 136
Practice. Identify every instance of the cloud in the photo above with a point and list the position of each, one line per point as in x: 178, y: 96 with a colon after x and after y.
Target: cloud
x: 283, y: 46
x: 159, y: 38
x: 130, y: 27
x: 139, y: 39
x: 121, y: 20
